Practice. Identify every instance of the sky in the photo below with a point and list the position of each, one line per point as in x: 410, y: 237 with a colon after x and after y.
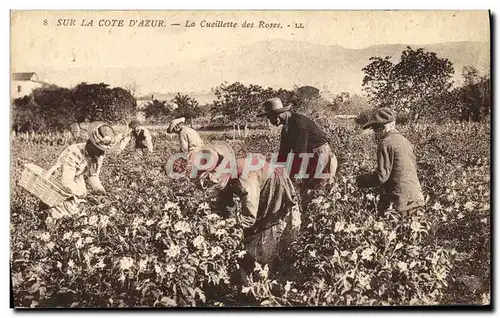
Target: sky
x: 67, y: 55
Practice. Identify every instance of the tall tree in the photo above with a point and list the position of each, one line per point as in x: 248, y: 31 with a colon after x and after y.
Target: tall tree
x: 99, y: 102
x: 187, y: 107
x: 157, y: 111
x: 413, y: 85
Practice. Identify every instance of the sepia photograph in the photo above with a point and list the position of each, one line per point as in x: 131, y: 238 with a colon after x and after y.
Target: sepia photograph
x: 244, y: 159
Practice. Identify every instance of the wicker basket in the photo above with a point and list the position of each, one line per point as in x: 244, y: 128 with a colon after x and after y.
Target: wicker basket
x: 47, y: 189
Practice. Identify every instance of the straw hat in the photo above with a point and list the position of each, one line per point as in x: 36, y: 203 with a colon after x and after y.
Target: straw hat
x: 101, y: 135
x: 273, y: 107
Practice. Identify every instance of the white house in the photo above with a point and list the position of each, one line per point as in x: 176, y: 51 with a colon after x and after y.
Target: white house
x: 23, y: 84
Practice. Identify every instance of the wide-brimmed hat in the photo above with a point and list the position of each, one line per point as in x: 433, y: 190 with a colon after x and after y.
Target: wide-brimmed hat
x: 134, y: 123
x: 273, y: 107
x: 101, y: 135
x: 381, y: 116
x: 174, y: 123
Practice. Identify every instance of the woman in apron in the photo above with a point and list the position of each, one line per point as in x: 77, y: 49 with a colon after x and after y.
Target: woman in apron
x: 79, y: 163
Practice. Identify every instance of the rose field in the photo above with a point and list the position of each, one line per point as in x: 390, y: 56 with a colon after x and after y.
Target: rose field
x: 157, y: 242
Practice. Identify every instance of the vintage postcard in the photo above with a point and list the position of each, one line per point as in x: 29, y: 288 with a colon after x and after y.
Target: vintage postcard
x: 250, y: 158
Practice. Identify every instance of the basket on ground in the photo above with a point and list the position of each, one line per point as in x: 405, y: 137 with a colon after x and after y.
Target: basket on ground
x: 46, y: 188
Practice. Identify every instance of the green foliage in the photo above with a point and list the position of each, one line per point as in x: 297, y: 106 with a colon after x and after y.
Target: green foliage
x: 99, y: 102
x: 413, y: 85
x: 473, y: 99
x: 156, y: 111
x: 186, y: 107
x: 143, y: 247
x: 56, y: 108
x: 349, y: 104
x: 308, y: 92
x: 240, y: 104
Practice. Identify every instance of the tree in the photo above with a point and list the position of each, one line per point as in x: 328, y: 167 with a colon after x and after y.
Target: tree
x: 99, y: 102
x: 156, y: 110
x: 411, y: 86
x: 187, y: 107
x: 239, y: 103
x: 308, y: 92
x: 55, y: 107
x: 474, y: 97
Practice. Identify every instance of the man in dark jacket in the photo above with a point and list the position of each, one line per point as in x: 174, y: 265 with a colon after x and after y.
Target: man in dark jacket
x: 308, y: 143
x: 396, y: 166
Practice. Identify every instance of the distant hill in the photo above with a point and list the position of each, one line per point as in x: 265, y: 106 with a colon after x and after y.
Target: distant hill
x: 275, y: 63
x: 280, y: 63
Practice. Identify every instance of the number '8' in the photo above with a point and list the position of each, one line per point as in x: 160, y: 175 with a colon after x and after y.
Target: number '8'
x: 45, y: 22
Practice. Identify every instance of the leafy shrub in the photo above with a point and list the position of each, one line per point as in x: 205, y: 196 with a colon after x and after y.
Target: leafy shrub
x: 143, y: 247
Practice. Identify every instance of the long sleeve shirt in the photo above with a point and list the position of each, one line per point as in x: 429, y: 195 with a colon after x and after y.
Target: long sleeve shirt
x: 300, y: 135
x: 189, y: 139
x: 76, y: 164
x: 396, y: 172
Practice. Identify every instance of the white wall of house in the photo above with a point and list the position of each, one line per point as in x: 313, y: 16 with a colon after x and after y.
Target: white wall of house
x: 23, y: 88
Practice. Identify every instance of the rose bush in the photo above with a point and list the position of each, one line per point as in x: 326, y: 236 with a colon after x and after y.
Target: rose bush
x: 154, y: 241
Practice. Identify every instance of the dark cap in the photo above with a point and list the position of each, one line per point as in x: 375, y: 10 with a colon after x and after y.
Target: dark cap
x: 381, y: 116
x: 134, y: 123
